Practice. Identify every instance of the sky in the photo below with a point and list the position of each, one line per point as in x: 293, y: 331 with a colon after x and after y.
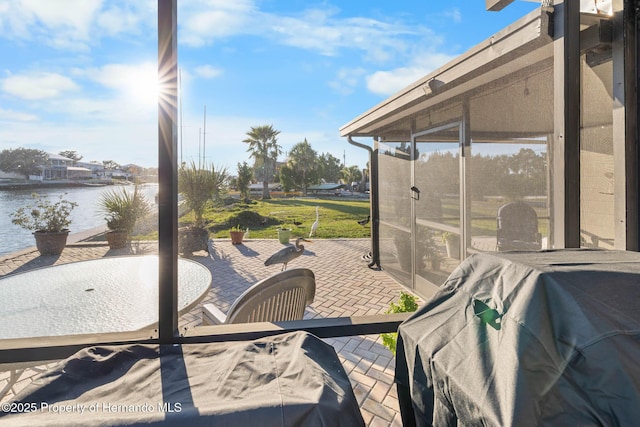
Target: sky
x: 81, y: 75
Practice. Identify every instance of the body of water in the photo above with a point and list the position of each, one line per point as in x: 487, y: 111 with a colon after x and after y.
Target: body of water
x: 84, y: 217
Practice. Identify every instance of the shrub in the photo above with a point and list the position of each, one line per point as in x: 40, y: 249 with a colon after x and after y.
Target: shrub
x: 406, y: 304
x: 123, y: 208
x: 43, y: 215
x: 200, y: 185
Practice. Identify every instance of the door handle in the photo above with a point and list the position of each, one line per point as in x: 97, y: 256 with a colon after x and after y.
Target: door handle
x: 416, y: 193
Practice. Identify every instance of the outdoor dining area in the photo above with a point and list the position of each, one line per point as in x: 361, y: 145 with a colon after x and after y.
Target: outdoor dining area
x: 345, y: 286
x: 511, y: 337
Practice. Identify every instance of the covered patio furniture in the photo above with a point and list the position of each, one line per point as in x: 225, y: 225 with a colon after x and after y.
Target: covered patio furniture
x: 277, y: 298
x: 549, y: 338
x: 292, y: 379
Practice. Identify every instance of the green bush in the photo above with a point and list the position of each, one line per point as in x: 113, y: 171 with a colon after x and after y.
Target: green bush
x: 406, y: 304
x: 199, y: 185
x: 123, y: 208
x: 43, y: 215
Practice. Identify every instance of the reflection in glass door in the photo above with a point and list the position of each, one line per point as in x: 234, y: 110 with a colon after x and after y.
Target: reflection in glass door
x: 436, y: 206
x: 509, y: 201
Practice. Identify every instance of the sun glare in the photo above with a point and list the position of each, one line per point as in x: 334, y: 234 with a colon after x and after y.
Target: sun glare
x: 143, y: 87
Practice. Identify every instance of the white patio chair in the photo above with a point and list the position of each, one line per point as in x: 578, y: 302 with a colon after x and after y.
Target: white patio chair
x: 277, y: 298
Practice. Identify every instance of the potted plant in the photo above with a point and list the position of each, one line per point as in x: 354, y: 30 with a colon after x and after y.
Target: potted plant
x: 435, y: 259
x: 237, y: 234
x: 284, y: 234
x: 432, y: 252
x: 452, y: 243
x: 402, y: 243
x: 197, y: 186
x: 49, y: 222
x: 122, y: 208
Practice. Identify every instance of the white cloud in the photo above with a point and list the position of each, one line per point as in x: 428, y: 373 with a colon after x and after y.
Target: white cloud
x: 389, y: 82
x: 131, y: 18
x: 131, y: 96
x: 453, y: 14
x: 61, y: 24
x: 202, y: 22
x: 123, y: 76
x: 16, y: 116
x: 346, y: 80
x: 319, y: 30
x: 208, y: 71
x: 74, y: 24
x: 37, y: 86
x: 99, y: 123
x: 323, y: 31
x: 73, y: 15
x: 132, y: 83
x: 13, y: 21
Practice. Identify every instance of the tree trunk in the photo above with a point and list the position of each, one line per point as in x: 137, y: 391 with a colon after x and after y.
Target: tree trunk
x: 265, y: 190
x: 304, y: 182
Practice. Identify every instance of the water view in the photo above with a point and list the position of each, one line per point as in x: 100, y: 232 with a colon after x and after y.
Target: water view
x: 84, y: 217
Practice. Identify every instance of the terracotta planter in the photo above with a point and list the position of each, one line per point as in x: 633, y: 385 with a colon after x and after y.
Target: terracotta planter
x: 236, y: 237
x: 117, y: 239
x: 51, y: 243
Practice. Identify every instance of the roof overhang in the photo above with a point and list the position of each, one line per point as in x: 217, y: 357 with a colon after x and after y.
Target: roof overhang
x: 524, y: 42
x: 518, y: 52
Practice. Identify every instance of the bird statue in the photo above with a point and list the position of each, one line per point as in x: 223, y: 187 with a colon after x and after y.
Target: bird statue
x: 286, y: 255
x: 314, y: 226
x: 246, y: 234
x: 364, y: 221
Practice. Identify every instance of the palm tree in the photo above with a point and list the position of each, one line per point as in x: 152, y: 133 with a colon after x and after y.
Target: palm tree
x: 263, y: 145
x: 351, y: 174
x: 304, y: 160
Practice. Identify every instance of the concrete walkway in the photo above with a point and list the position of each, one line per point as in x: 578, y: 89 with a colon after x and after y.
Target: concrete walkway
x: 345, y: 287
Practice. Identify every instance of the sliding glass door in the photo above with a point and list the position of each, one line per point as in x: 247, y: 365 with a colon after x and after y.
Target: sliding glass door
x: 436, y: 206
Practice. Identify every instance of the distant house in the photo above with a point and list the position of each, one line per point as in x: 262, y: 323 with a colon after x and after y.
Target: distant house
x: 97, y: 168
x: 117, y: 174
x: 62, y: 168
x: 10, y: 175
x: 133, y: 170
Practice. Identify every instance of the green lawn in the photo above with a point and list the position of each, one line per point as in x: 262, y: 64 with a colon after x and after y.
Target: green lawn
x: 337, y: 218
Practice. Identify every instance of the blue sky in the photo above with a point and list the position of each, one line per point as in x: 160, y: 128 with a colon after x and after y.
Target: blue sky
x: 81, y: 74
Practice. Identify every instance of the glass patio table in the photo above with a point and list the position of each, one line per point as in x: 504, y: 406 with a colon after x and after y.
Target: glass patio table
x: 112, y: 294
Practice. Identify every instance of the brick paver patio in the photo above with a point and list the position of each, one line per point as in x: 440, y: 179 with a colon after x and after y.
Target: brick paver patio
x: 345, y: 287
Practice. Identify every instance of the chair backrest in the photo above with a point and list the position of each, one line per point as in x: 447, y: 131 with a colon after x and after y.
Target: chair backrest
x: 277, y: 298
x: 517, y: 227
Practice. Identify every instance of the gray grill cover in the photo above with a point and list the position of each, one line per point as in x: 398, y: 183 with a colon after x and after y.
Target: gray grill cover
x: 526, y: 339
x: 292, y: 379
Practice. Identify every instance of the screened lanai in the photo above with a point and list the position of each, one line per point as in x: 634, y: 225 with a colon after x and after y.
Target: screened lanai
x: 526, y: 128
